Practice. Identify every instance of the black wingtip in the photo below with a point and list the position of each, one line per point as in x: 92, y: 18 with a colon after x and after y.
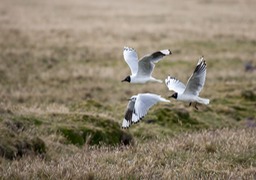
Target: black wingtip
x: 125, y: 127
x: 200, y: 67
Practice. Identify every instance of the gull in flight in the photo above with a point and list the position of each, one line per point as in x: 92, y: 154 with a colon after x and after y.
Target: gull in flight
x: 190, y: 92
x: 138, y: 107
x: 142, y: 69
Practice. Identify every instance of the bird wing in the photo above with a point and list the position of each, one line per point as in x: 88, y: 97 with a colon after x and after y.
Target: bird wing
x: 174, y: 84
x: 147, y: 63
x: 128, y: 114
x: 131, y: 58
x: 196, y: 81
x: 143, y: 103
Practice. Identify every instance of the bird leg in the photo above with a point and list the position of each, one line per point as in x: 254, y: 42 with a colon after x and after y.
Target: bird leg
x: 196, y: 106
x: 190, y: 104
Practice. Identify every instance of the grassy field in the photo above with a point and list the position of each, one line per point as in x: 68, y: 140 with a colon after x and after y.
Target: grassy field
x: 62, y: 101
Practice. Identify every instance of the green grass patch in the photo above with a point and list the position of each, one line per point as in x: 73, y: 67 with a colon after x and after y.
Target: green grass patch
x: 177, y: 119
x: 94, y: 131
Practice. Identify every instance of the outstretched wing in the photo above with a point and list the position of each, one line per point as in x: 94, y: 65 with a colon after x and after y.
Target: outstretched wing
x: 174, y: 84
x: 143, y: 103
x: 131, y: 58
x: 147, y: 63
x: 196, y: 81
x: 128, y: 114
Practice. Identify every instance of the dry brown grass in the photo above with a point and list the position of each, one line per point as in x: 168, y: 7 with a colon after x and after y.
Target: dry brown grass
x: 57, y: 57
x: 54, y: 50
x: 220, y: 154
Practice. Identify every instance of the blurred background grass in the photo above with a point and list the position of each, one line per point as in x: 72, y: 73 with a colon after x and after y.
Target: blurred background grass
x: 61, y: 68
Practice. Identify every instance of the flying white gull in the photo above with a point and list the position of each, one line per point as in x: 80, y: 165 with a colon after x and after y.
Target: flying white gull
x: 138, y: 107
x: 190, y: 92
x: 142, y: 69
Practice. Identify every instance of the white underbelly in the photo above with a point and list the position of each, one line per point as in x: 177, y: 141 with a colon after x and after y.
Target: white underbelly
x: 187, y: 98
x: 140, y: 79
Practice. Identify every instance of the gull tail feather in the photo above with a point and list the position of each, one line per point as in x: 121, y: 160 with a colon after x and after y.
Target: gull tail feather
x: 164, y: 100
x: 203, y: 101
x: 152, y: 79
x: 159, y: 81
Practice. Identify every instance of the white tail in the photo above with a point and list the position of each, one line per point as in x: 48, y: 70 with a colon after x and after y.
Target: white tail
x: 155, y: 80
x: 164, y: 100
x: 203, y: 100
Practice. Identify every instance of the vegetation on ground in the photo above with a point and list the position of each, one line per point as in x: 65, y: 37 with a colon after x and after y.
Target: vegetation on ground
x: 62, y: 101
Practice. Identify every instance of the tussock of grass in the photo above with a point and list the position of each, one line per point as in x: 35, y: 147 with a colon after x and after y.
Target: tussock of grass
x: 174, y: 118
x: 248, y: 95
x: 19, y: 134
x: 16, y: 143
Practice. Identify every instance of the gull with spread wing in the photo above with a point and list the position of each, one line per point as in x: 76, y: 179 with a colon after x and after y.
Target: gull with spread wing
x: 138, y: 107
x: 142, y: 69
x: 190, y: 92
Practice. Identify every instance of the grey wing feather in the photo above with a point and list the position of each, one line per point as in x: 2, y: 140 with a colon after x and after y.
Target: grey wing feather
x: 128, y: 114
x: 147, y: 63
x: 143, y: 103
x: 146, y: 67
x: 196, y: 81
